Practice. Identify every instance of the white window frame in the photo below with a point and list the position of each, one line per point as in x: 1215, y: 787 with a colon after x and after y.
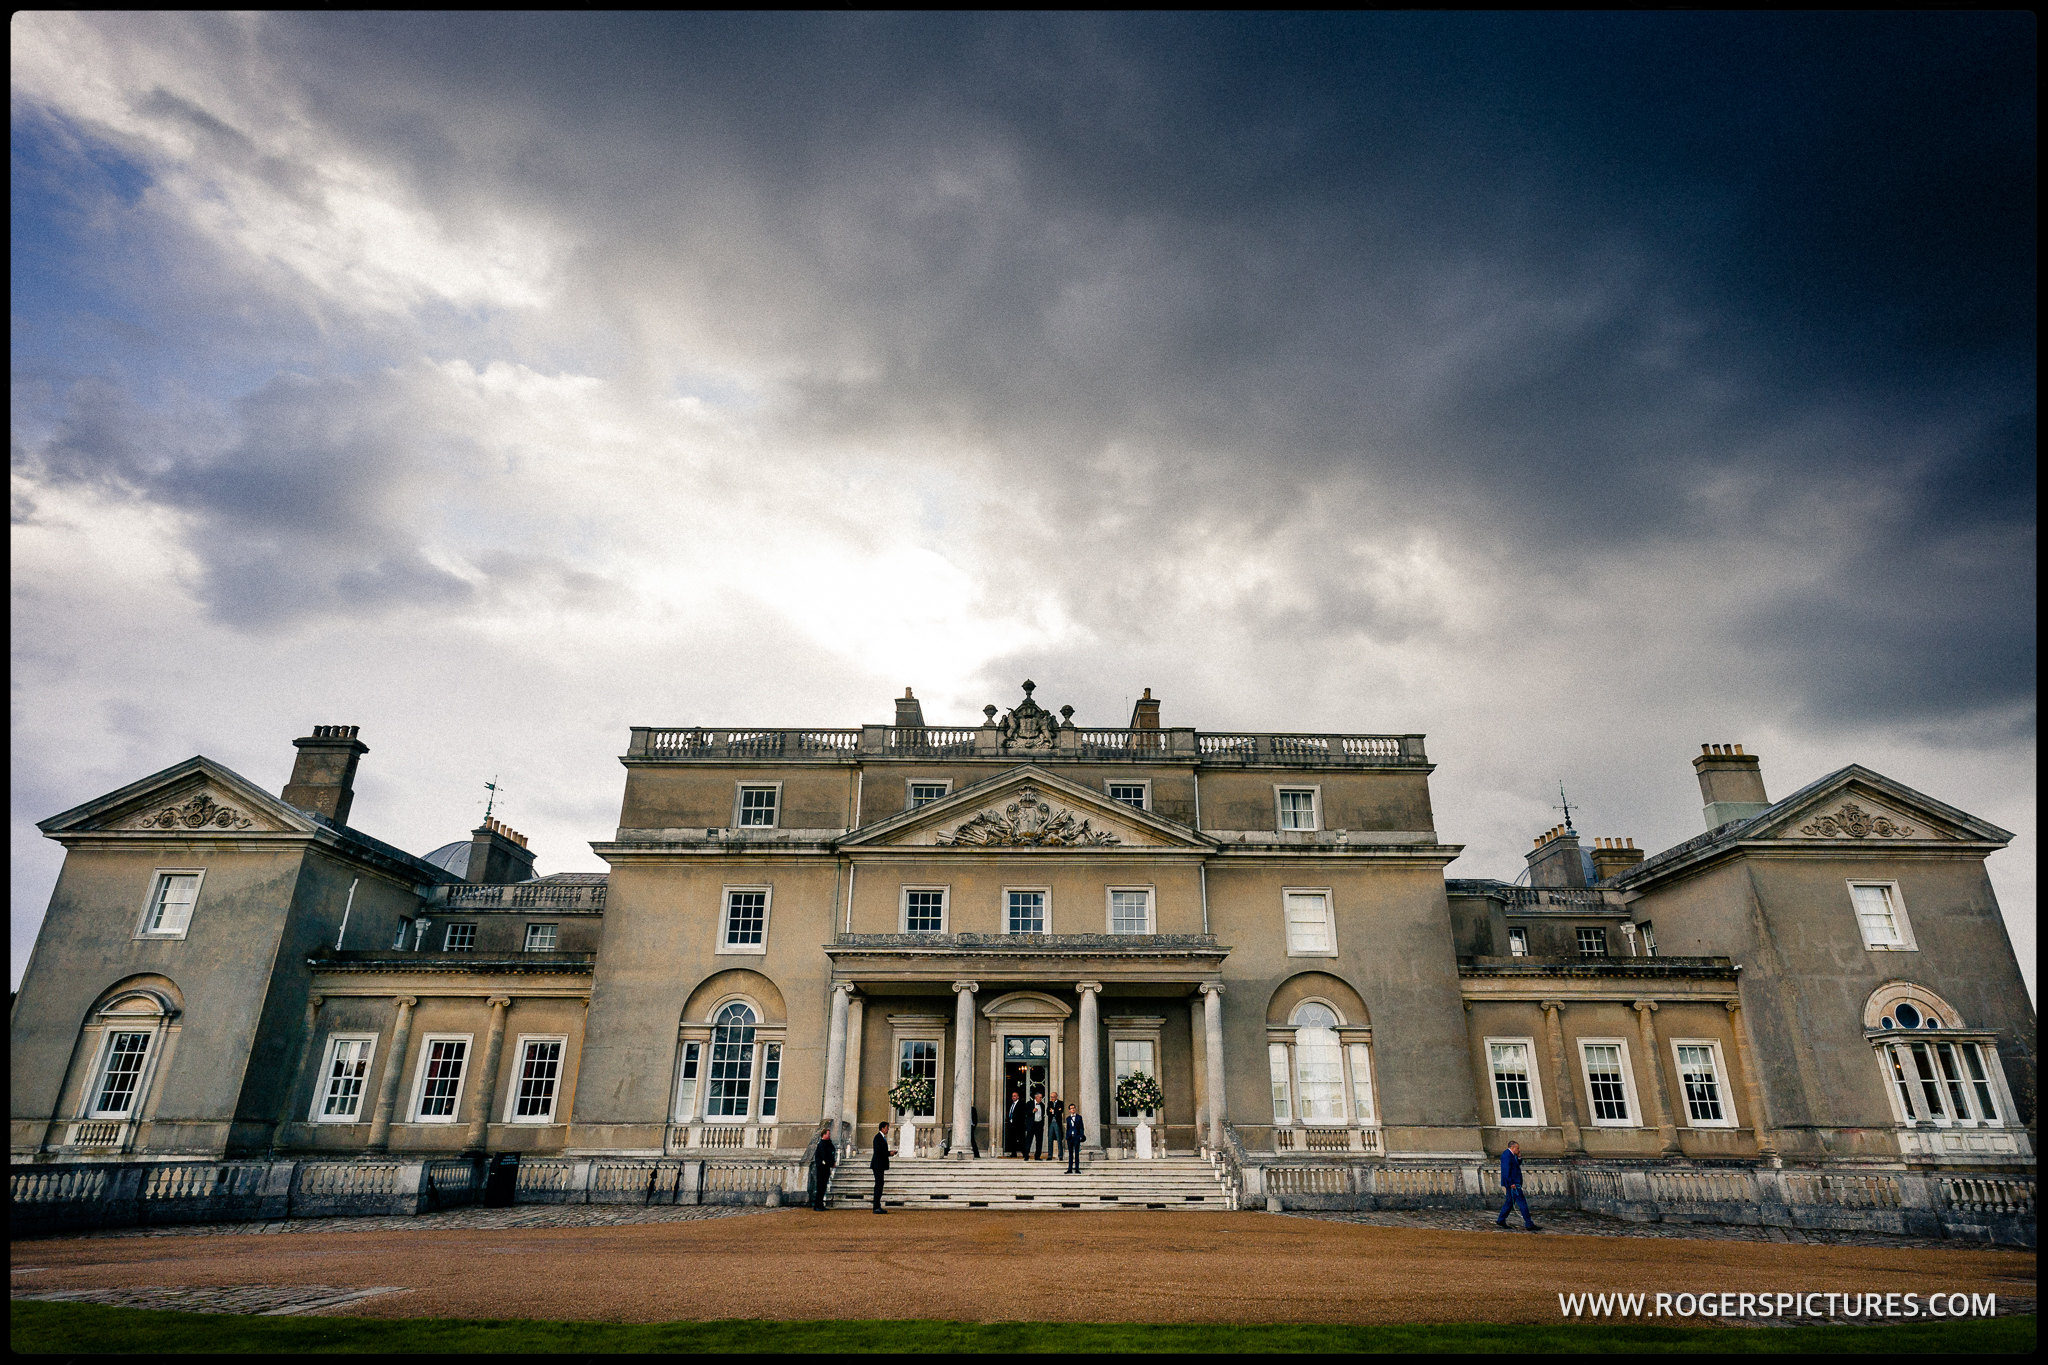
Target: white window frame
x: 519, y: 1065
x: 156, y: 882
x: 419, y: 1078
x: 404, y: 932
x: 1144, y: 786
x: 1329, y: 920
x: 1538, y: 1115
x: 1045, y: 891
x: 945, y: 908
x: 1109, y: 895
x: 753, y: 1077
x: 1579, y: 932
x: 1315, y: 807
x: 911, y: 784
x: 1346, y: 1115
x: 739, y: 798
x: 726, y: 947
x: 1725, y: 1091
x: 1518, y: 942
x: 554, y: 937
x: 448, y: 931
x: 687, y: 1105
x: 1897, y: 899
x: 144, y: 1072
x: 1628, y: 1084
x: 325, y: 1079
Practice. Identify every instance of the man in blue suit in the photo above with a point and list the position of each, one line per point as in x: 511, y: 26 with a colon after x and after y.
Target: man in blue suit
x: 1511, y: 1181
x: 1076, y: 1134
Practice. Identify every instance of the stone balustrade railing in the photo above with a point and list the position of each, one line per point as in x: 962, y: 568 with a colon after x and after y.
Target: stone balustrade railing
x: 1181, y: 745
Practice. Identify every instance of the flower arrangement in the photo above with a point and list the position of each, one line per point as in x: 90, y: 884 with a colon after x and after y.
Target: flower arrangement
x: 1139, y: 1091
x: 911, y: 1095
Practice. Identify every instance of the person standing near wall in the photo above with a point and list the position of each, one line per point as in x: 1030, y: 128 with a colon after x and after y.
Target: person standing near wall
x: 822, y: 1162
x: 879, y: 1162
x: 1055, y: 1126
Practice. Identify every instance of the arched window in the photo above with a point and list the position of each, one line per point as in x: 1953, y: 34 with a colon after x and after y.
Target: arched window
x: 1319, y: 1079
x: 1938, y: 1074
x: 732, y: 1064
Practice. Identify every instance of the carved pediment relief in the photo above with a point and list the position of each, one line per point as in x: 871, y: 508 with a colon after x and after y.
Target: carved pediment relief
x: 1029, y: 727
x: 1028, y: 821
x: 188, y: 813
x: 1852, y: 821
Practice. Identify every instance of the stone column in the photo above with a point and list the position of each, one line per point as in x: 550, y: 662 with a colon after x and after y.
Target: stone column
x: 1752, y: 1086
x: 963, y: 1067
x: 1567, y: 1099
x: 835, y: 1054
x: 291, y: 1084
x: 1198, y: 1051
x: 1091, y: 1065
x: 487, y: 1092
x: 1646, y: 1028
x: 856, y: 1017
x: 1212, y: 1042
x: 394, y: 1072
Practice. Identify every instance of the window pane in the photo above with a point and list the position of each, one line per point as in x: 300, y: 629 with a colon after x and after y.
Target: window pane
x: 1701, y: 1082
x: 1308, y: 923
x: 1959, y: 1100
x: 173, y: 908
x: 443, y: 1086
x: 125, y: 1055
x: 746, y: 917
x: 404, y: 928
x: 1027, y: 912
x: 461, y: 938
x: 924, y: 912
x: 540, y: 938
x: 539, y: 1070
x: 1592, y: 943
x: 732, y: 1063
x: 771, y: 1078
x: 1128, y: 912
x: 1980, y: 1081
x: 1297, y: 810
x: 1276, y: 1055
x: 1874, y: 912
x: 757, y: 806
x: 924, y: 793
x: 686, y: 1083
x: 1130, y: 793
x: 1319, y: 1075
x: 1604, y: 1079
x: 1361, y: 1082
x: 1132, y: 1056
x: 918, y: 1057
x: 345, y: 1078
x: 1511, y: 1090
x: 1930, y: 1088
x: 1518, y: 942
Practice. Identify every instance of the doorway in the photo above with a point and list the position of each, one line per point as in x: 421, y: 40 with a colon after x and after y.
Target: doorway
x: 1026, y: 1059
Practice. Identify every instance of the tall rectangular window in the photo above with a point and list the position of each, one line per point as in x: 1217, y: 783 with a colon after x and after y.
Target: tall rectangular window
x: 771, y: 1078
x: 1896, y: 1056
x: 1606, y: 1081
x: 1027, y: 912
x: 732, y: 1070
x: 540, y: 1071
x: 1130, y: 912
x: 1700, y: 1078
x: 1877, y: 914
x: 1319, y: 1075
x: 398, y: 941
x: 1308, y: 922
x: 757, y: 807
x: 1592, y: 943
x: 1518, y: 943
x: 1514, y: 1098
x: 540, y: 938
x: 170, y: 903
x: 1297, y: 808
x: 746, y: 919
x: 1276, y: 1062
x: 924, y: 793
x: 686, y: 1082
x: 1649, y: 939
x: 461, y: 938
x: 1132, y: 794
x: 1930, y: 1085
x: 1361, y: 1082
x: 924, y: 911
x: 347, y: 1069
x: 120, y: 1075
x: 1980, y: 1081
x: 919, y: 1057
x: 441, y: 1078
x: 1131, y: 1056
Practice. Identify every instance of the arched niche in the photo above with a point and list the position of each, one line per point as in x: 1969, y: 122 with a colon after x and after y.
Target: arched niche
x: 1333, y: 991
x: 736, y: 984
x: 1929, y: 1009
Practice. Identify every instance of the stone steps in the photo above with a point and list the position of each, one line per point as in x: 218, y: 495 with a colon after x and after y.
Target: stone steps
x: 995, y: 1183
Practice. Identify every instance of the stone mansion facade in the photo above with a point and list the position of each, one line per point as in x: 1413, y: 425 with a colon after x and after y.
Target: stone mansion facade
x: 795, y: 919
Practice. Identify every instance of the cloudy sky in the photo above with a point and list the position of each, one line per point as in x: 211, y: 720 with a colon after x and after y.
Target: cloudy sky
x: 1573, y: 390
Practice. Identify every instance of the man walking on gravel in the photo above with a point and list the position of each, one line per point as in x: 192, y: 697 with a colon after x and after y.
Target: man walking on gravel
x: 1511, y: 1183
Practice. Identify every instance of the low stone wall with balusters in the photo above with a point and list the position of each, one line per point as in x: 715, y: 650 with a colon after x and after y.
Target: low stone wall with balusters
x: 1994, y: 1208
x: 74, y: 1196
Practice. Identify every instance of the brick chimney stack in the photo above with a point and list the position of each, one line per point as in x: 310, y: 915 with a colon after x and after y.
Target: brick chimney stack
x: 497, y: 855
x: 324, y: 775
x: 909, y: 712
x: 1145, y: 715
x: 1557, y: 861
x: 1612, y: 857
x: 1731, y: 783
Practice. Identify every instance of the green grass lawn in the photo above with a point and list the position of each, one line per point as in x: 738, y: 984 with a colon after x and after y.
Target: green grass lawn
x: 90, y: 1329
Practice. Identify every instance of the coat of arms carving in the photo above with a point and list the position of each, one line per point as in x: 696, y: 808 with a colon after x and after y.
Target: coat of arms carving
x: 1854, y: 822
x: 1027, y: 822
x: 1029, y: 726
x: 198, y: 813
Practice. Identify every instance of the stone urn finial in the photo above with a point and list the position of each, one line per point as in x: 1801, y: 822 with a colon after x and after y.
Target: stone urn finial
x: 990, y: 712
x: 1029, y: 686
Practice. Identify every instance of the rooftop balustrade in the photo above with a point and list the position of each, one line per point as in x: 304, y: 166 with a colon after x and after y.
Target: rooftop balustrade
x: 1074, y: 743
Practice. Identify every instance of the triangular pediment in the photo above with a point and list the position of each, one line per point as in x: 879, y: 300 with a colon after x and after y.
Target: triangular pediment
x: 1024, y: 810
x: 1860, y: 806
x: 197, y: 796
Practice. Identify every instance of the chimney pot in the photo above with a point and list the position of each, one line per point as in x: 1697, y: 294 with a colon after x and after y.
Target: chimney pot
x: 1731, y: 783
x: 324, y: 774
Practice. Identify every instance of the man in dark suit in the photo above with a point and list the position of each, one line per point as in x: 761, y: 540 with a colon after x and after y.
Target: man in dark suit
x: 1014, y: 1121
x: 1034, y: 1149
x: 1056, y: 1124
x: 822, y: 1162
x: 1077, y: 1133
x: 974, y: 1131
x: 1511, y: 1182
x: 879, y: 1162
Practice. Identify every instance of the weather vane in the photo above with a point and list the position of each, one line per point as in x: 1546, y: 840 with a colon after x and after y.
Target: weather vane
x: 491, y: 800
x: 1565, y: 804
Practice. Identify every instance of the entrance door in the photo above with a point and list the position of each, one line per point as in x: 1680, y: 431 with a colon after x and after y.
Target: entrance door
x: 1025, y: 1061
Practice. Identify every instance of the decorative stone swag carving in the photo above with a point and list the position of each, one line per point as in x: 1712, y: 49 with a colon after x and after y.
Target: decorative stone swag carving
x: 1854, y: 822
x: 197, y: 813
x: 1028, y: 822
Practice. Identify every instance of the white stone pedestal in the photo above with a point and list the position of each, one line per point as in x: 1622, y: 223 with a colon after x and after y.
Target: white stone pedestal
x: 1145, y: 1138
